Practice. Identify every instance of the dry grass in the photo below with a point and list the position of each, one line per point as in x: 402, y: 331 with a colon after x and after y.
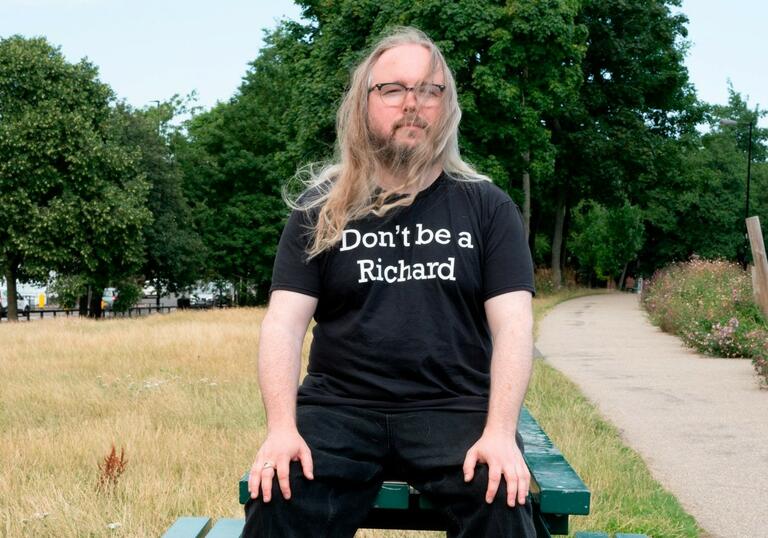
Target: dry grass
x: 179, y: 393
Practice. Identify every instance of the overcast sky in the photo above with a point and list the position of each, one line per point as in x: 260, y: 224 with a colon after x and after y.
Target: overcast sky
x: 148, y: 50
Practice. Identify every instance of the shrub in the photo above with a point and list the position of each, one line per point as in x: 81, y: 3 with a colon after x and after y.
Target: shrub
x: 542, y: 249
x: 605, y: 239
x: 68, y: 289
x: 545, y: 285
x: 543, y: 278
x: 710, y: 306
x: 128, y: 294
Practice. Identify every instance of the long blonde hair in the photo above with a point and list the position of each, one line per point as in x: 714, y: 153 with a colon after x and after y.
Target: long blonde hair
x: 346, y: 190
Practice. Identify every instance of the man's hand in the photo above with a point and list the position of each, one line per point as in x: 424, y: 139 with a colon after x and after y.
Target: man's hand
x: 500, y: 452
x: 274, y: 457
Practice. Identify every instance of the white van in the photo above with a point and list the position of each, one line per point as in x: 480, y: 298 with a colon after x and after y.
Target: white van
x: 22, y: 305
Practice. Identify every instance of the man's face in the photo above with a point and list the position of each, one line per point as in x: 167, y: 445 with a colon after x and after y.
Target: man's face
x: 406, y: 125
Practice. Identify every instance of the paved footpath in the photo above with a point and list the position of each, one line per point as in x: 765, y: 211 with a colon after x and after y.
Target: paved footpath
x: 700, y: 424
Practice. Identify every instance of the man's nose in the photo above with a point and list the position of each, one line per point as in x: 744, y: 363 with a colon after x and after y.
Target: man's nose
x: 410, y: 102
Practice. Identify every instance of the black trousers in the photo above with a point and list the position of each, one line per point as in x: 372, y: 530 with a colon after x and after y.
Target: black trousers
x: 354, y: 450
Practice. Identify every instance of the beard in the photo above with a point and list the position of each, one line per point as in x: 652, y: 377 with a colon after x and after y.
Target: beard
x: 395, y: 156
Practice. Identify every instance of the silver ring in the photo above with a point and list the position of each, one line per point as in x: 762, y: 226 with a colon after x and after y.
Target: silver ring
x: 268, y: 465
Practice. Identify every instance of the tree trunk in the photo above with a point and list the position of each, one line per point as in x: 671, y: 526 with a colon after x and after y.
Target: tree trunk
x: 527, y: 194
x: 10, y: 279
x: 527, y: 161
x: 623, y: 276
x: 157, y: 293
x: 557, y: 239
x: 94, y: 310
x: 82, y: 306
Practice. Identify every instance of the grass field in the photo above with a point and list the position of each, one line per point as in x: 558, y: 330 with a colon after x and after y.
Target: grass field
x: 179, y: 394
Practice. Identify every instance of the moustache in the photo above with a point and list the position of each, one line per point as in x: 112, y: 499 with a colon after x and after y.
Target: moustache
x: 410, y: 121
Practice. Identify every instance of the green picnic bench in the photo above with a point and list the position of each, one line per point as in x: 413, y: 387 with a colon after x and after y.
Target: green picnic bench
x: 556, y: 493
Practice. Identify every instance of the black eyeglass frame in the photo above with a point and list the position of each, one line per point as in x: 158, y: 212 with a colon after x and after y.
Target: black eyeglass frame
x: 407, y: 89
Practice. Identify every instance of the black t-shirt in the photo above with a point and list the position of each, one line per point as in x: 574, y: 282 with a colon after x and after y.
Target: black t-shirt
x: 400, y: 316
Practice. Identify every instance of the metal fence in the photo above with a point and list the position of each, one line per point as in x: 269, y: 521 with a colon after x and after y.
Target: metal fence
x: 135, y: 311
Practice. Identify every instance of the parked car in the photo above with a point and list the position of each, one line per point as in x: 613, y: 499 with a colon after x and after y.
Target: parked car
x: 108, y: 298
x: 22, y: 305
x: 201, y: 298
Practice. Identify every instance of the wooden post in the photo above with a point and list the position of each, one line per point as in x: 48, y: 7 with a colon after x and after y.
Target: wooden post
x: 760, y: 269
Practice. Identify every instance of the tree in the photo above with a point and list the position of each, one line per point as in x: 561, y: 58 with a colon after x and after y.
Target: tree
x: 700, y: 210
x: 514, y: 63
x: 574, y: 94
x: 634, y: 99
x: 235, y: 159
x: 174, y: 254
x: 71, y: 198
x: 605, y: 240
x: 562, y: 100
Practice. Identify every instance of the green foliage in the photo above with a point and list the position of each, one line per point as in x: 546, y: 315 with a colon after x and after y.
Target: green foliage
x: 67, y: 289
x: 700, y: 209
x: 71, y: 197
x: 234, y: 160
x: 514, y: 64
x: 128, y: 294
x: 605, y: 240
x: 542, y: 246
x: 590, y: 97
x: 174, y: 254
x: 710, y: 305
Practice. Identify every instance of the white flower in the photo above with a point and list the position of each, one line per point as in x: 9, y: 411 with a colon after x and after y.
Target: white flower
x: 114, y: 526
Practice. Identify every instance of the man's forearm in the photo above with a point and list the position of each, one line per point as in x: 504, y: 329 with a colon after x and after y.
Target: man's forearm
x: 279, y: 365
x: 511, y: 366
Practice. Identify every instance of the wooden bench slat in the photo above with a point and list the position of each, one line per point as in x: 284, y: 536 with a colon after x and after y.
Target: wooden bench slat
x: 243, y: 493
x: 188, y: 527
x: 393, y: 495
x: 555, y: 485
x: 227, y: 528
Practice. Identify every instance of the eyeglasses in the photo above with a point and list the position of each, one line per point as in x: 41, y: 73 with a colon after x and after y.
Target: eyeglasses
x: 393, y: 93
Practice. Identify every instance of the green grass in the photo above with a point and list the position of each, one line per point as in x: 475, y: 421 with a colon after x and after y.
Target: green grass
x: 625, y: 497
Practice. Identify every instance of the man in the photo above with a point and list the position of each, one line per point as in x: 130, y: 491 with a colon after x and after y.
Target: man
x: 417, y: 272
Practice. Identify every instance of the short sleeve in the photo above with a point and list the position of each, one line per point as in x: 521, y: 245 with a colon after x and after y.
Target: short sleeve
x: 507, y: 263
x: 292, y: 270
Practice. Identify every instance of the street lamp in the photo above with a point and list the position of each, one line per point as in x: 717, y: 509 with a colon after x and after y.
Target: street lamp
x: 158, y: 119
